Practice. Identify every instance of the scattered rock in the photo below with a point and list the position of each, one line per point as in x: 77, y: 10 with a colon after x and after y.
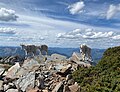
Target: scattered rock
x: 42, y: 74
x: 57, y: 87
x: 26, y: 82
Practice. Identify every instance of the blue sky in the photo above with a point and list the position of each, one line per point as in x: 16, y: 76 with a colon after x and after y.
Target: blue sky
x: 60, y: 23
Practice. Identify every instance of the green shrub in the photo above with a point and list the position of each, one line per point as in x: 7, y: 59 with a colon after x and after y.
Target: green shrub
x: 104, y: 77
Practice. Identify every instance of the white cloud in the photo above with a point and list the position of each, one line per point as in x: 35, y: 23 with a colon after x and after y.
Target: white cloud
x: 7, y: 30
x: 7, y: 15
x: 113, y: 9
x: 117, y: 37
x: 85, y: 34
x: 76, y: 8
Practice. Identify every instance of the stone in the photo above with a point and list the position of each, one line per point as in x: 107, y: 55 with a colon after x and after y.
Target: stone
x: 68, y: 77
x: 6, y: 87
x: 12, y: 90
x: 5, y: 73
x: 65, y: 70
x: 45, y: 91
x: 1, y: 85
x: 40, y: 83
x: 66, y: 88
x: 70, y: 82
x: 57, y: 87
x: 2, y: 70
x: 40, y: 58
x: 49, y: 59
x: 11, y: 85
x: 34, y: 90
x: 21, y: 72
x: 12, y: 71
x: 31, y: 64
x: 58, y: 56
x: 76, y: 57
x: 74, y: 88
x: 26, y: 82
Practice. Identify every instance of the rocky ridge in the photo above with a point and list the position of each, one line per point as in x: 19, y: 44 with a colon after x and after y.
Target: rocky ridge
x: 42, y: 74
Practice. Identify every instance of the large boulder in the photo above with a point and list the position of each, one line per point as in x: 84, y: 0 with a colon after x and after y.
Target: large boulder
x: 76, y: 57
x: 58, y: 56
x: 29, y: 65
x: 12, y: 71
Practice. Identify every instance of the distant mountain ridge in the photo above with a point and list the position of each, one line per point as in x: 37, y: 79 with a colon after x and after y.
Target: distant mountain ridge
x: 9, y: 51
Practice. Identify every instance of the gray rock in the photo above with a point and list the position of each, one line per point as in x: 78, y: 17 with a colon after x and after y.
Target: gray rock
x: 6, y: 87
x: 11, y: 85
x: 26, y: 81
x: 76, y: 57
x: 2, y: 70
x: 70, y: 82
x: 49, y: 59
x: 58, y: 56
x: 68, y: 77
x: 12, y: 71
x: 66, y: 89
x: 74, y: 88
x: 65, y: 70
x: 31, y: 64
x: 57, y: 87
x: 1, y: 85
x: 40, y: 82
x: 12, y: 90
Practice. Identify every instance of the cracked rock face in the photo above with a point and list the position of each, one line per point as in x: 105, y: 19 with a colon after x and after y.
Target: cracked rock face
x: 26, y: 81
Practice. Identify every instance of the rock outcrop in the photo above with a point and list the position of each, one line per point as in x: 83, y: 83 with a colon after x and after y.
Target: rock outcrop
x: 42, y: 74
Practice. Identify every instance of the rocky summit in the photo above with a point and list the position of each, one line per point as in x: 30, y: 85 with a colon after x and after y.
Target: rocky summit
x: 41, y: 74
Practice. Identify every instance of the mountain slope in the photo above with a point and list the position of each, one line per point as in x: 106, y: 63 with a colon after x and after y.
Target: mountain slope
x: 104, y: 77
